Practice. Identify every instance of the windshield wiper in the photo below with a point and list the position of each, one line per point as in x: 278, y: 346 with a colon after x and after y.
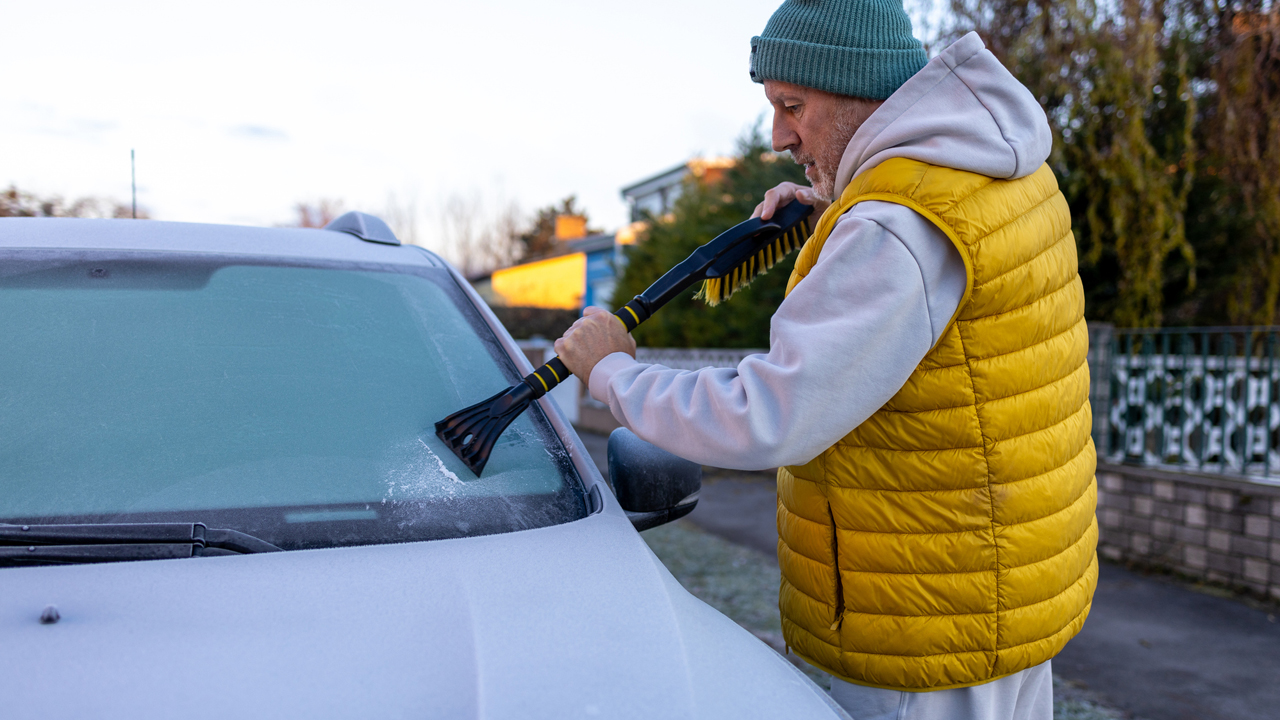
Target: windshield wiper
x: 55, y: 544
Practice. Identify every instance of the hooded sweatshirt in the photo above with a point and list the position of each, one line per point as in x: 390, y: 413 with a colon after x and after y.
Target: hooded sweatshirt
x: 885, y: 286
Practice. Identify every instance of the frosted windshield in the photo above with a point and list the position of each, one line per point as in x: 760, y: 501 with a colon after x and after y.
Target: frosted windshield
x: 292, y: 401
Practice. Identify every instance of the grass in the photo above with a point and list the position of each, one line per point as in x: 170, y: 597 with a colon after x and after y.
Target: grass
x: 743, y: 584
x: 735, y: 580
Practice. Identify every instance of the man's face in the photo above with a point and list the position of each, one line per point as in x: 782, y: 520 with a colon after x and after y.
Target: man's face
x: 816, y: 127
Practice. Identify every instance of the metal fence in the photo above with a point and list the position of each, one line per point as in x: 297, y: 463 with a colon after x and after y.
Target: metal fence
x: 1202, y: 399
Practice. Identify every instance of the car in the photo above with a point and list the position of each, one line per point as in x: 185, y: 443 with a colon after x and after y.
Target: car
x: 221, y: 497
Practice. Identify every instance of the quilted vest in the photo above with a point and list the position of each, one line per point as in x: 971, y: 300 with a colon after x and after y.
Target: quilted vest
x: 950, y: 539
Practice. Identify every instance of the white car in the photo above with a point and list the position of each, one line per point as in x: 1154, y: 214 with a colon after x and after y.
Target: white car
x: 221, y: 497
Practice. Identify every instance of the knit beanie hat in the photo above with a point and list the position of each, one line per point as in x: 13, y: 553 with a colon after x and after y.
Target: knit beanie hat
x: 862, y: 48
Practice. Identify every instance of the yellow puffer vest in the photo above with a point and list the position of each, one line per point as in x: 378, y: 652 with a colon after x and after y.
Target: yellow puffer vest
x: 950, y: 539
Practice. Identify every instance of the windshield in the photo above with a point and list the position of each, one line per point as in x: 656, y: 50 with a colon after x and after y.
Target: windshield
x: 292, y: 403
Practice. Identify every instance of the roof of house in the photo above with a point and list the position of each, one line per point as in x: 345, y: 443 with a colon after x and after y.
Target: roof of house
x: 653, y: 182
x: 590, y: 243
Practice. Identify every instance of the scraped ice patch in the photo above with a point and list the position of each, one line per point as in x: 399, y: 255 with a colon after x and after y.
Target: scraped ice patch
x: 440, y: 463
x: 414, y: 472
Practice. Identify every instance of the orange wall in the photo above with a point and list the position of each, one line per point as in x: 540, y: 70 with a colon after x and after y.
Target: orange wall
x: 558, y: 282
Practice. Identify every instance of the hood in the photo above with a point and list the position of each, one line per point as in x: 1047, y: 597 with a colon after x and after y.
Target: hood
x: 573, y: 621
x: 964, y: 110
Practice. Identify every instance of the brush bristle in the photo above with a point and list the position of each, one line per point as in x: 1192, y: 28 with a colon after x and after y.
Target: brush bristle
x: 716, y: 290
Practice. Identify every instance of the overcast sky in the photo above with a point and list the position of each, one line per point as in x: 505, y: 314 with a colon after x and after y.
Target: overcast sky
x: 238, y: 110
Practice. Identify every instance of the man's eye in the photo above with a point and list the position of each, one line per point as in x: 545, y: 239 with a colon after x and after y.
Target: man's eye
x: 793, y: 109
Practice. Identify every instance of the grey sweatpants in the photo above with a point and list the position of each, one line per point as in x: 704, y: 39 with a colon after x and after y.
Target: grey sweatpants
x: 1026, y: 695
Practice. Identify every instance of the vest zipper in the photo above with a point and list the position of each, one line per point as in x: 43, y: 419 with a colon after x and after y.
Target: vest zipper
x: 835, y: 559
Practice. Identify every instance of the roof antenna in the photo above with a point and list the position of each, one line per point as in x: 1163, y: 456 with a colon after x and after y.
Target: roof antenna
x: 133, y: 180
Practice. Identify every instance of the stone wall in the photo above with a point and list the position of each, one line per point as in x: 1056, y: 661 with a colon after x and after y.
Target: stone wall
x: 1217, y: 528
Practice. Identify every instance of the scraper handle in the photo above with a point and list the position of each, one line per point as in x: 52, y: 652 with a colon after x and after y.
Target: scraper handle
x: 554, y: 372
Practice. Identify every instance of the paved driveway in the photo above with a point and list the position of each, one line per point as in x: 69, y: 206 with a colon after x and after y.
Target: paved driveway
x: 1161, y: 650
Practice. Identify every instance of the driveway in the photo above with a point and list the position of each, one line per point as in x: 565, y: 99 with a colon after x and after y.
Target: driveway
x: 1152, y: 647
x: 1163, y: 650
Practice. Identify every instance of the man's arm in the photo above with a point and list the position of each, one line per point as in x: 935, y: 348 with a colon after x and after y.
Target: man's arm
x: 842, y: 343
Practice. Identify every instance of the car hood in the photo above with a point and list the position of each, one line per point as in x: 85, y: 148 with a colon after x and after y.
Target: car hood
x: 578, y: 620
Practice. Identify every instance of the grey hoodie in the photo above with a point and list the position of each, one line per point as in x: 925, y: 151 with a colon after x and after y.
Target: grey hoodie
x: 887, y: 282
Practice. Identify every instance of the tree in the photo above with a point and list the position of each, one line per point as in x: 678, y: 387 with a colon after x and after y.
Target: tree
x: 316, y: 214
x: 19, y: 203
x: 1164, y: 114
x: 703, y: 211
x: 1244, y: 142
x: 540, y: 237
x: 482, y: 235
x: 478, y: 237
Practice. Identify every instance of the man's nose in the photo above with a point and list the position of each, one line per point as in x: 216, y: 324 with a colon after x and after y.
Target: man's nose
x: 784, y: 137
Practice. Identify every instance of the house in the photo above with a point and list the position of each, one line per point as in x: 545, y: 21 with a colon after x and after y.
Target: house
x: 581, y: 269
x: 655, y: 196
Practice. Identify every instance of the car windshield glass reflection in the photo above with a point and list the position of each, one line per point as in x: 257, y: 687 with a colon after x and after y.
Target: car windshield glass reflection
x: 291, y: 403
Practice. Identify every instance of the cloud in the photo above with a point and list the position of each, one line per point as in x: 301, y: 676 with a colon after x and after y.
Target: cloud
x: 43, y: 119
x: 259, y: 132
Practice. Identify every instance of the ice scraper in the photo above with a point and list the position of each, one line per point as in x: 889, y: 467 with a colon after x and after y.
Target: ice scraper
x: 724, y: 265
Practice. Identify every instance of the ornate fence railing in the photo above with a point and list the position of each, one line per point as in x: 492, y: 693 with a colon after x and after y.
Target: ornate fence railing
x: 1202, y: 399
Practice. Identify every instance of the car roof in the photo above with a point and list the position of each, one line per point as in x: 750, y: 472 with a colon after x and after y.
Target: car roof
x: 179, y: 237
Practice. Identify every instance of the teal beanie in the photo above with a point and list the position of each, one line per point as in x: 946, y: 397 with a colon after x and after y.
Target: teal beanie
x: 862, y: 48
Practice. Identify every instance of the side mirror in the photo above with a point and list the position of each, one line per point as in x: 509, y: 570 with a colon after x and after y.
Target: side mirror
x: 652, y: 485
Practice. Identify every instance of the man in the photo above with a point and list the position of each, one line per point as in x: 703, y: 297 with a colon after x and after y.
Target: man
x: 925, y: 395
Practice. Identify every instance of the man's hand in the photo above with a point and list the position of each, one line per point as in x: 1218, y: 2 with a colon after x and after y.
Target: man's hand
x: 592, y: 337
x: 785, y: 193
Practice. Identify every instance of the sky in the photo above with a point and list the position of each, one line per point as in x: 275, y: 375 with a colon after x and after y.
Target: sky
x: 239, y: 110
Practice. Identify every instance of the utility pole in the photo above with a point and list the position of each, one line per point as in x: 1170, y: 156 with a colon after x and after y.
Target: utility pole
x: 133, y: 180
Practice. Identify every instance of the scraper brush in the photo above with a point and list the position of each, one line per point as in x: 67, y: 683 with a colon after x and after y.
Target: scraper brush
x: 716, y: 290
x: 725, y: 265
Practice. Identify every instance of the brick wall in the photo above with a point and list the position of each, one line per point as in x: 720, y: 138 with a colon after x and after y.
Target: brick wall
x: 1217, y: 528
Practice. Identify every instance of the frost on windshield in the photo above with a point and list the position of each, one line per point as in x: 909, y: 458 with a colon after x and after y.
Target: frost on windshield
x: 443, y: 470
x: 424, y: 469
x: 301, y: 392
x: 422, y: 477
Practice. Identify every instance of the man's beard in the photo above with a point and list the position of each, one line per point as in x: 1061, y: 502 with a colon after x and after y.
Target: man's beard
x: 826, y: 156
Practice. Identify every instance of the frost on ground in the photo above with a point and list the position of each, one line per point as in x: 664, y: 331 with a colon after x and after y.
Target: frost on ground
x: 735, y: 580
x: 1071, y: 702
x: 743, y: 584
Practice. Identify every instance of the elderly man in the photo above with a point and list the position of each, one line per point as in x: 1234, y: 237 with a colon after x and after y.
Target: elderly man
x: 925, y: 395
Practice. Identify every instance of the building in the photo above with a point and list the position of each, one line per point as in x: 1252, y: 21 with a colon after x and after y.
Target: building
x: 582, y: 269
x: 655, y: 196
x: 557, y: 282
x: 603, y: 256
x: 583, y: 274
